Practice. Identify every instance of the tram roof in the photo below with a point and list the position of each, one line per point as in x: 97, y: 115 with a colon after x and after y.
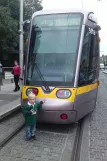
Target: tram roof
x: 57, y: 11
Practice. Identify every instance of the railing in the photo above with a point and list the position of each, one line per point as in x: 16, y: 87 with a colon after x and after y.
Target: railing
x: 7, y: 69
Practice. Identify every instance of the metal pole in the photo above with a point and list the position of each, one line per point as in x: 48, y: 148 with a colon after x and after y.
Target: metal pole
x: 21, y: 38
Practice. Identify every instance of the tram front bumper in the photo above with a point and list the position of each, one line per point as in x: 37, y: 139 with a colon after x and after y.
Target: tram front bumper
x: 56, y: 117
x: 56, y: 111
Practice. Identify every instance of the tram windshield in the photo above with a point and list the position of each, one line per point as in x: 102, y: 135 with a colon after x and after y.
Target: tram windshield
x: 54, y: 48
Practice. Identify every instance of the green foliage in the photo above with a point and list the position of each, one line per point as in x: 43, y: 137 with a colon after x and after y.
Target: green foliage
x: 8, y: 31
x: 31, y: 6
x: 9, y: 24
x: 13, y: 5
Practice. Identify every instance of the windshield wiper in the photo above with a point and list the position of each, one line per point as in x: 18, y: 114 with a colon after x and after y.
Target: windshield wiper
x: 34, y: 65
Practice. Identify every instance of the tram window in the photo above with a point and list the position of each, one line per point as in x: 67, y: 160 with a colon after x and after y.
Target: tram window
x: 89, y: 59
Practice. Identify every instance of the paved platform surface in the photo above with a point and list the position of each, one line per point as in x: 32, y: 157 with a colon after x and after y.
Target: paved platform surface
x: 8, y: 99
x: 94, y: 143
x: 98, y: 125
x: 6, y: 93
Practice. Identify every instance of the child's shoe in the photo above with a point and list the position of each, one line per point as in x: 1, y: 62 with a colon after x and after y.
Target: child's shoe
x: 34, y: 137
x: 27, y: 139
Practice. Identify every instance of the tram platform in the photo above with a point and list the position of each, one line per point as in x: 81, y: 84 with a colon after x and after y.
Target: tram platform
x: 9, y: 100
x: 94, y: 142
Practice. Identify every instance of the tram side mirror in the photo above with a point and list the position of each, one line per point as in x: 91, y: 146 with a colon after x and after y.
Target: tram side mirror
x: 97, y: 27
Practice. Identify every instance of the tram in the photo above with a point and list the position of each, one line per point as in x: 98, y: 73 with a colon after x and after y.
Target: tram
x: 62, y: 64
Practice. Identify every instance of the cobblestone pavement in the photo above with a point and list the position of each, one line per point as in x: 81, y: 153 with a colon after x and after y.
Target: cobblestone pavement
x: 7, y: 126
x: 49, y: 146
x: 104, y: 79
x: 98, y: 125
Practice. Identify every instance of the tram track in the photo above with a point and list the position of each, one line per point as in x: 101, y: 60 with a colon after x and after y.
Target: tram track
x: 77, y: 142
x: 45, y: 131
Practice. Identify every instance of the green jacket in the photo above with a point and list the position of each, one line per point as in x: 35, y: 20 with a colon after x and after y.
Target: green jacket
x: 29, y: 118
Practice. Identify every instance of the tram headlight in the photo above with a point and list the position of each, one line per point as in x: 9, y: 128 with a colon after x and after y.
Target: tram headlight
x: 63, y: 93
x: 33, y: 90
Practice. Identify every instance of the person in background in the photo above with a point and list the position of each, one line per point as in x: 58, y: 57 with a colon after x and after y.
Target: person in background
x: 16, y: 72
x: 30, y: 113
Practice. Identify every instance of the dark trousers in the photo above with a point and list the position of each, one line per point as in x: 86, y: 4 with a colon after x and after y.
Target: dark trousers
x: 16, y: 81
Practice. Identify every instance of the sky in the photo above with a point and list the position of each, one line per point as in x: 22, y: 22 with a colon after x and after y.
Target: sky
x: 99, y: 7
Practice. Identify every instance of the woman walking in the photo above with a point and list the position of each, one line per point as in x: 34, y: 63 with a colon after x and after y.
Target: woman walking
x: 16, y: 73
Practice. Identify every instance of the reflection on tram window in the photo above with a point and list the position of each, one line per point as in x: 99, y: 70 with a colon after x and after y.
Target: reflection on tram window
x: 55, y: 49
x: 89, y: 60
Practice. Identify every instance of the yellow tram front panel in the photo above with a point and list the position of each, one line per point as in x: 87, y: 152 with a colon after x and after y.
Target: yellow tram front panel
x: 88, y: 88
x: 52, y: 94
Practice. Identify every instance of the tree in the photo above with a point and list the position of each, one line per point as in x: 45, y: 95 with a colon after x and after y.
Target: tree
x: 8, y: 31
x: 9, y: 24
x: 31, y: 6
x: 13, y: 5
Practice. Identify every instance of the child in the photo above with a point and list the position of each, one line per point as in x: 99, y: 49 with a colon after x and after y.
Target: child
x: 30, y: 110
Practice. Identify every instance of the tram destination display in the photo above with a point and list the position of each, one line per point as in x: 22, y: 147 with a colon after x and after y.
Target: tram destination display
x: 57, y: 20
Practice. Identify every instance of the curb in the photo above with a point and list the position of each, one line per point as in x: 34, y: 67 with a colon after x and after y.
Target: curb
x: 84, y: 151
x: 7, y: 136
x: 11, y: 134
x: 10, y: 111
x: 69, y: 144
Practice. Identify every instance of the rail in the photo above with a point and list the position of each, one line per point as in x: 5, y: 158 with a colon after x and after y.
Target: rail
x: 7, y: 69
x: 75, y: 145
x: 77, y: 142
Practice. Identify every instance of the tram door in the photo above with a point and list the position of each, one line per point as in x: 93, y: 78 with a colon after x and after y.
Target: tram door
x: 89, y: 73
